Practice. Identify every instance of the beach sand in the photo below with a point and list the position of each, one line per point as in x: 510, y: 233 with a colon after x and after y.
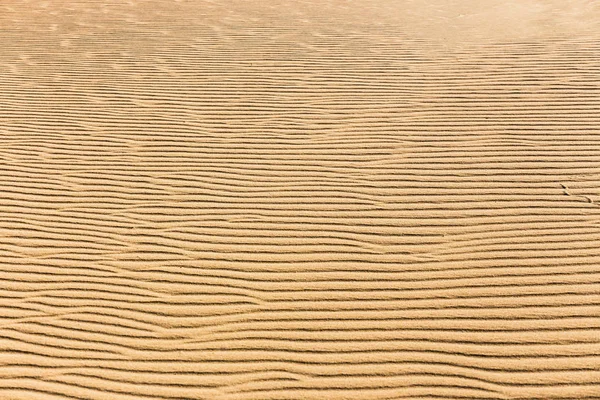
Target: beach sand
x: 290, y: 200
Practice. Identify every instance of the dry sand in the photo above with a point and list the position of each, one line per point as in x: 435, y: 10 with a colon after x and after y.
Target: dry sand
x: 324, y: 199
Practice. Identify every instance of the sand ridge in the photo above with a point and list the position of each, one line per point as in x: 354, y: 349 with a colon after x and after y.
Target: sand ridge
x: 299, y: 200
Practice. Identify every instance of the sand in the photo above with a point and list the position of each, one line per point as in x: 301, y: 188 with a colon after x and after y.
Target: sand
x: 277, y: 200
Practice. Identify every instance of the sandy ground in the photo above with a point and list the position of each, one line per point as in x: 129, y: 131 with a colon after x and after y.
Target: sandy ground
x: 277, y: 200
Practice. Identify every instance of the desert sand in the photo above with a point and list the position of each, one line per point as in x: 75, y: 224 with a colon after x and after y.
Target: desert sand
x: 308, y: 199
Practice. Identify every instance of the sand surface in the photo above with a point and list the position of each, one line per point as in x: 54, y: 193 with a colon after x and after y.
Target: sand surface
x: 277, y: 200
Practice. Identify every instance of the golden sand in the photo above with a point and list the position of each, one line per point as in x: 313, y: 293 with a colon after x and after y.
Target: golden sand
x: 307, y: 199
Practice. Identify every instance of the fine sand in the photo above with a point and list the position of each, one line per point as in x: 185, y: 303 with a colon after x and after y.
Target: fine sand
x: 303, y: 199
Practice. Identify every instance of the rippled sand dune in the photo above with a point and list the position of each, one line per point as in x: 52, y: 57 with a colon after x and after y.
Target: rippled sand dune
x: 277, y: 200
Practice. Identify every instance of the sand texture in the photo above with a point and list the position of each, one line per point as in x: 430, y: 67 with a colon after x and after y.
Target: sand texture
x: 299, y: 200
